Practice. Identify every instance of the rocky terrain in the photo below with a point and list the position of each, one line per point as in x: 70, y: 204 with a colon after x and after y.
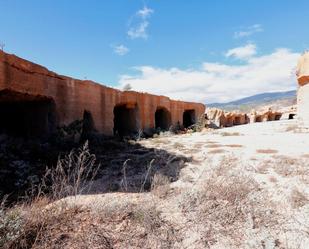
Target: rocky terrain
x: 240, y: 187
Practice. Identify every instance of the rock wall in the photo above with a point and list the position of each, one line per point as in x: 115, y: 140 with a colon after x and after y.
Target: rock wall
x: 28, y: 86
x: 219, y: 118
x: 303, y: 89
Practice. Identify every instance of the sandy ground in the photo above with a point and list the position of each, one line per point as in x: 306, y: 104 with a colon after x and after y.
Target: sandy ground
x: 274, y: 154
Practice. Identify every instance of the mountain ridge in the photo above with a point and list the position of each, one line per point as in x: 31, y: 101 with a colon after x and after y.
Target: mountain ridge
x: 256, y: 101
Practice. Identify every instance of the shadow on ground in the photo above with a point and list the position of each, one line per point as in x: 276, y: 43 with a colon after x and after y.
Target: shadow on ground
x: 124, y: 165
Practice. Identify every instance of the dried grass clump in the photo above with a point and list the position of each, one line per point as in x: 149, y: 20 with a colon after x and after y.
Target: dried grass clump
x: 137, y: 224
x: 217, y: 151
x: 227, y: 205
x: 298, y: 199
x: 52, y: 226
x: 266, y: 151
x: 289, y: 167
x: 213, y: 146
x: 234, y: 145
x: 228, y: 134
x: 72, y: 175
x: 160, y: 184
x: 38, y: 223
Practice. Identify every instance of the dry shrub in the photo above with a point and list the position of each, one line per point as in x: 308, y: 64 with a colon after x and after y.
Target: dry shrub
x: 217, y: 151
x: 160, y: 184
x: 266, y: 151
x: 178, y: 146
x: 213, y: 146
x: 298, y: 199
x: 137, y: 224
x: 227, y: 205
x: 72, y: 175
x: 263, y: 167
x: 289, y: 166
x: 233, y: 145
x: 36, y: 223
x: 54, y: 226
x: 227, y: 134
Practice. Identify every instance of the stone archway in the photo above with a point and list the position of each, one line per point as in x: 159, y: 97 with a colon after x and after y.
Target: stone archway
x: 126, y: 119
x: 162, y: 118
x: 188, y: 118
x: 27, y: 116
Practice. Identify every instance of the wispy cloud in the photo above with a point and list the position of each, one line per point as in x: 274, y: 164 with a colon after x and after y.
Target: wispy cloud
x: 248, y: 31
x: 139, y: 23
x: 243, y: 52
x: 218, y: 82
x: 145, y: 12
x: 120, y: 49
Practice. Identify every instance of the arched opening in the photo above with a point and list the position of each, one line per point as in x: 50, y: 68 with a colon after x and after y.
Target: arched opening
x: 26, y: 116
x: 258, y: 119
x: 188, y: 118
x: 278, y: 116
x: 126, y: 119
x: 88, y: 125
x: 291, y: 116
x: 237, y: 121
x: 162, y: 118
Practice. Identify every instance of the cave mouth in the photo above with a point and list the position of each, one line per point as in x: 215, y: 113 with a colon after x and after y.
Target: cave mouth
x: 162, y: 118
x: 126, y: 119
x: 26, y: 116
x: 188, y: 118
x: 258, y: 119
x: 277, y: 117
x: 291, y: 116
x: 237, y: 121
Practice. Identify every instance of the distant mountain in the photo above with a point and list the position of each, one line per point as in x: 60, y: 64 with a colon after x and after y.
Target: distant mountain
x: 274, y: 99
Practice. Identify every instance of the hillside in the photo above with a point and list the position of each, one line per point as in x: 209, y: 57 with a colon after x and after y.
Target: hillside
x: 274, y: 99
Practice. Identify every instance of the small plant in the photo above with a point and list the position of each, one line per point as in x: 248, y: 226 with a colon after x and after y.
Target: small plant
x: 227, y: 134
x: 72, y: 176
x: 266, y: 151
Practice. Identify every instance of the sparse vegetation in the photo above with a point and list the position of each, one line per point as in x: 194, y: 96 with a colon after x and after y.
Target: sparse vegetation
x: 266, y: 151
x: 226, y: 134
x: 217, y: 151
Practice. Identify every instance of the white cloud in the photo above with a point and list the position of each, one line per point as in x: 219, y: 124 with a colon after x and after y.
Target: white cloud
x: 120, y: 49
x: 139, y: 23
x: 256, y: 28
x: 139, y: 31
x: 244, y: 52
x: 145, y: 12
x: 220, y: 82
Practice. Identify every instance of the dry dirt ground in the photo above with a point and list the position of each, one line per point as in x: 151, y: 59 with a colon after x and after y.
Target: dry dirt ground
x: 245, y: 187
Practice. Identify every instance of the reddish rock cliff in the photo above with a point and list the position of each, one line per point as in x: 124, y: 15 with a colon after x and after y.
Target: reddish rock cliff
x: 33, y: 96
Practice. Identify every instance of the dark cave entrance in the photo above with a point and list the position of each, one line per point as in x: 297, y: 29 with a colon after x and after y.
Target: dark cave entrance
x: 162, y: 118
x: 125, y: 120
x: 188, y: 118
x: 237, y: 121
x: 258, y: 119
x: 277, y: 117
x: 26, y: 116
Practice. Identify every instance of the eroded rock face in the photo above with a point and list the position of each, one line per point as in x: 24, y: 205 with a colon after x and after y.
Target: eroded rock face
x: 219, y: 118
x: 33, y: 96
x: 303, y: 90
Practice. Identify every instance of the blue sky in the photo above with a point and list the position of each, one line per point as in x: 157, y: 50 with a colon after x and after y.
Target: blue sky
x: 195, y: 50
